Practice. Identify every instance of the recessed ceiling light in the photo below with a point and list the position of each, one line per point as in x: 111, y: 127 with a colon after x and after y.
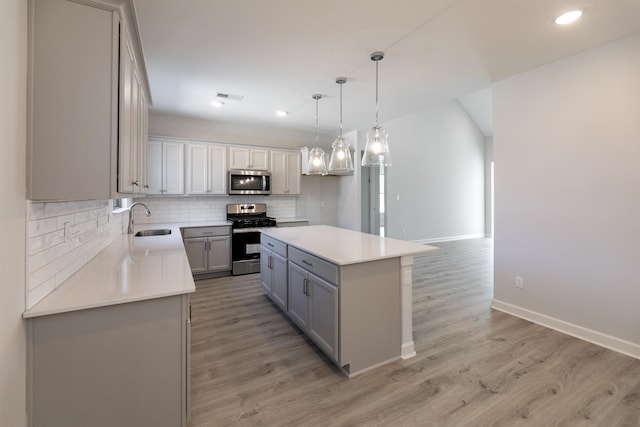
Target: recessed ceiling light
x: 569, y: 17
x: 217, y: 104
x: 281, y: 113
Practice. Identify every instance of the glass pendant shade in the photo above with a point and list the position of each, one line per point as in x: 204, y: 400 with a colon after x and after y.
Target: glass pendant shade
x: 376, y: 151
x: 317, y: 163
x: 340, y: 160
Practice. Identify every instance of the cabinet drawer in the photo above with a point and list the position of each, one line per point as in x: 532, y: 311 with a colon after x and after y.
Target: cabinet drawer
x: 315, y: 265
x: 274, y: 245
x: 222, y: 230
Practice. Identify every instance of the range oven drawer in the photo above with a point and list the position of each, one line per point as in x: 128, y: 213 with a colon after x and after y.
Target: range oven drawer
x: 245, y: 246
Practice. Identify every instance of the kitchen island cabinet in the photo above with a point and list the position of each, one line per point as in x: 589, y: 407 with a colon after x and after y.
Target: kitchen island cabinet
x: 273, y: 265
x: 313, y: 305
x: 350, y: 292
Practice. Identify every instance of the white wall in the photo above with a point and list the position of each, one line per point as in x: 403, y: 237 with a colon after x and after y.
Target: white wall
x: 318, y: 199
x: 13, y: 72
x: 349, y: 194
x: 567, y: 150
x: 233, y: 133
x: 438, y: 174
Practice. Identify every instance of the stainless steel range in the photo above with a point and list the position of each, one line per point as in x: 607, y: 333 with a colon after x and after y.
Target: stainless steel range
x: 247, y: 219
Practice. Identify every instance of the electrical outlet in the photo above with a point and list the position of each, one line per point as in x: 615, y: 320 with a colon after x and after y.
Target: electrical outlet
x: 519, y: 282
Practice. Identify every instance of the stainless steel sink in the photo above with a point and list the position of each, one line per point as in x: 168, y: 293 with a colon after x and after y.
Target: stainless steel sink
x: 156, y: 232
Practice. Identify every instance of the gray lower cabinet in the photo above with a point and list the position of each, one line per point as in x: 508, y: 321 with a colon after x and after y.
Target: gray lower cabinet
x: 313, y: 305
x: 352, y: 312
x: 208, y: 249
x: 273, y: 277
x: 121, y: 365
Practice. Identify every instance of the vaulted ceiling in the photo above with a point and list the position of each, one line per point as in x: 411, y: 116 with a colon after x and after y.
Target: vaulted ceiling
x: 277, y: 53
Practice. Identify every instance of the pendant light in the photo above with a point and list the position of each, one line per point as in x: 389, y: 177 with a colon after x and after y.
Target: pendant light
x: 376, y: 152
x: 317, y: 164
x: 340, y: 160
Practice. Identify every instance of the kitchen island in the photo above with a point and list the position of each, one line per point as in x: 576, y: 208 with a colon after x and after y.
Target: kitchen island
x: 350, y: 292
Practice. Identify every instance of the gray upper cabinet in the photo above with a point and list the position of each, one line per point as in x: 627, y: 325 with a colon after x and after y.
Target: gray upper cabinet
x: 78, y: 130
x: 285, y: 172
x: 165, y: 167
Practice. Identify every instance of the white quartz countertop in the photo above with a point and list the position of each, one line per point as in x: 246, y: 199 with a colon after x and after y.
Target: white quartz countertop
x: 130, y: 269
x: 342, y: 247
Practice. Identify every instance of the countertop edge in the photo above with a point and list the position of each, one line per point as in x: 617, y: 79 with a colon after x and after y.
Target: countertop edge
x: 29, y: 314
x: 419, y: 248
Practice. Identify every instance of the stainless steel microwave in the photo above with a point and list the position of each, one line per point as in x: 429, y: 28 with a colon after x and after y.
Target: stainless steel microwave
x: 249, y: 182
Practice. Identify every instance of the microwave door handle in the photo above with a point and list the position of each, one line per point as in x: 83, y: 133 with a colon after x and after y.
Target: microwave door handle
x: 264, y: 183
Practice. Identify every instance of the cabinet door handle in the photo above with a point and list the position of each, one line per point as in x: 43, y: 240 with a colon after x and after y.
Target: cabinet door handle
x: 146, y: 186
x: 269, y: 262
x: 304, y: 261
x: 136, y: 183
x: 270, y: 244
x: 207, y: 245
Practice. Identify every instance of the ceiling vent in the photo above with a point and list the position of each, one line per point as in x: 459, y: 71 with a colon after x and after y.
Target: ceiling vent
x: 229, y: 96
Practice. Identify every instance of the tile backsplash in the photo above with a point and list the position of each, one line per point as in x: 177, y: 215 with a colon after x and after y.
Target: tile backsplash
x: 197, y: 209
x: 64, y: 236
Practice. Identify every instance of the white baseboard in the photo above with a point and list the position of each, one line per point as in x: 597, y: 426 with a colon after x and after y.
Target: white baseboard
x: 449, y: 239
x: 603, y: 340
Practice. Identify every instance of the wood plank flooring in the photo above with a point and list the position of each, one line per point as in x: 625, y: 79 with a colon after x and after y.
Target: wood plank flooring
x: 474, y: 366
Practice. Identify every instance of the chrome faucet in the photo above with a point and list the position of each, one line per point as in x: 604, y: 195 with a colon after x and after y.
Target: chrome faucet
x: 130, y: 229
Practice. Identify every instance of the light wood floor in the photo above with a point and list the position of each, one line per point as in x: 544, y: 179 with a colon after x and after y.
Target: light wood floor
x: 474, y: 367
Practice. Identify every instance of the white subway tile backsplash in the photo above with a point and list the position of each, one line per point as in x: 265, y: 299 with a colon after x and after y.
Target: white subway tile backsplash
x: 41, y: 259
x: 42, y: 226
x: 53, y: 255
x: 36, y: 295
x: 199, y: 209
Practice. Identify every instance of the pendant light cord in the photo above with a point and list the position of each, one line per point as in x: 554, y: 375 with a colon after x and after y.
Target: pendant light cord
x: 317, y: 122
x: 340, y: 110
x: 377, y: 104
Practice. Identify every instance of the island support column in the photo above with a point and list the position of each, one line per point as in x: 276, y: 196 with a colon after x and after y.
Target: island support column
x: 406, y: 300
